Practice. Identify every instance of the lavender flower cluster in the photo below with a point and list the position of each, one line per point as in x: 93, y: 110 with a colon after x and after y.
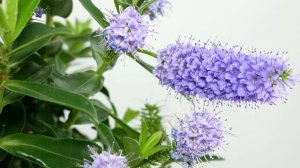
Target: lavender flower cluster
x: 106, y: 160
x: 157, y: 8
x: 127, y: 31
x: 215, y: 73
x: 197, y: 135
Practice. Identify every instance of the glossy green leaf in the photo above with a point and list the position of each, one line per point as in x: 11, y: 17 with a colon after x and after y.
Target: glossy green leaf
x: 130, y: 115
x: 4, y: 22
x: 83, y: 119
x: 154, y: 150
x: 11, y: 9
x: 54, y: 95
x: 48, y: 152
x: 107, y: 137
x: 61, y: 8
x: 133, y: 133
x: 32, y: 38
x: 31, y: 72
x: 152, y: 142
x: 88, y: 82
x: 26, y: 9
x: 95, y: 12
x: 144, y: 134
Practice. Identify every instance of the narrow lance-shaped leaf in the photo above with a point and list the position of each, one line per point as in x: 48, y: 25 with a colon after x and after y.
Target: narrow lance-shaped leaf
x: 11, y: 10
x: 144, y: 134
x: 32, y: 38
x: 48, y: 152
x: 107, y: 137
x: 95, y: 12
x: 54, y: 95
x: 4, y: 23
x: 152, y: 141
x: 26, y: 9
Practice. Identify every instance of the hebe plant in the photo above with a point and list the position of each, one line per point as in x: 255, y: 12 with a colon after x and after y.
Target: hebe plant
x: 40, y: 102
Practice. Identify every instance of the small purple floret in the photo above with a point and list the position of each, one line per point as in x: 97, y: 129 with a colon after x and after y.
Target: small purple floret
x: 39, y: 11
x: 215, y: 73
x: 106, y: 160
x: 197, y: 135
x: 127, y: 31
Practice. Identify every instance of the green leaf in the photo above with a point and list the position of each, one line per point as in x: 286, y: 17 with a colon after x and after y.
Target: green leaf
x: 11, y: 9
x: 95, y: 12
x: 98, y: 105
x: 54, y: 95
x: 12, y: 120
x: 26, y: 9
x: 147, y: 52
x: 144, y: 134
x: 4, y: 22
x: 61, y: 8
x: 107, y: 138
x: 132, y: 149
x: 117, y: 5
x: 48, y: 152
x: 154, y: 150
x: 130, y: 115
x: 31, y: 72
x: 54, y: 130
x: 32, y: 38
x: 88, y: 82
x: 145, y: 65
x: 152, y: 142
x: 83, y: 119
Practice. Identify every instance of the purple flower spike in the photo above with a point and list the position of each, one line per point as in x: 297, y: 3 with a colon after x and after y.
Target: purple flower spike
x: 157, y: 8
x: 127, y: 31
x: 197, y: 135
x: 219, y: 74
x: 106, y: 160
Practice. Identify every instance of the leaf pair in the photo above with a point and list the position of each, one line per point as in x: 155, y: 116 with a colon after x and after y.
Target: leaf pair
x: 146, y: 147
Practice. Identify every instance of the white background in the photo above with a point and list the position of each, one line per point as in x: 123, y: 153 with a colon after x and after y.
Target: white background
x: 265, y: 138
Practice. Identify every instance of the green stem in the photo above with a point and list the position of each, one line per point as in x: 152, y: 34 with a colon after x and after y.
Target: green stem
x: 49, y: 20
x: 71, y: 119
x: 147, y: 52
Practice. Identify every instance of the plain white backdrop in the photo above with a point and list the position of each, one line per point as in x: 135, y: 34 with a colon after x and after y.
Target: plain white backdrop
x: 265, y: 138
